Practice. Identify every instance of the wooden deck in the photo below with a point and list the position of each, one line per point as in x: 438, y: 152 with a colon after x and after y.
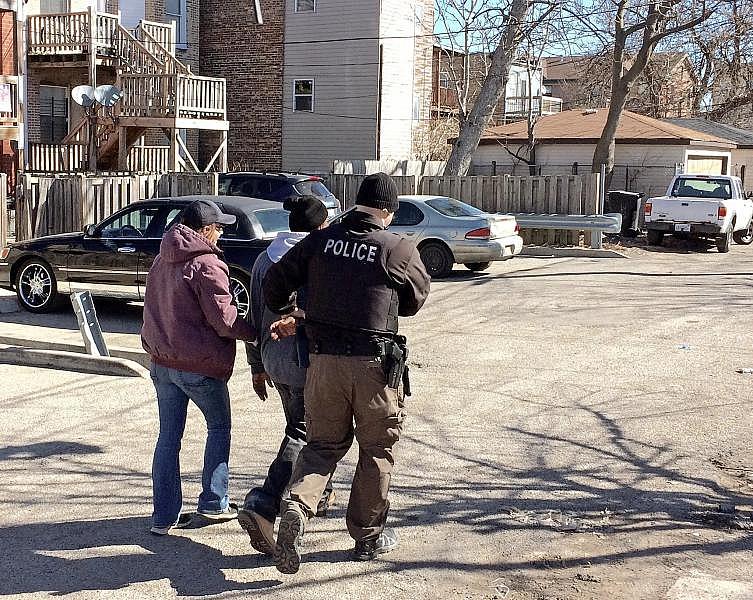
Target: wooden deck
x: 159, y: 92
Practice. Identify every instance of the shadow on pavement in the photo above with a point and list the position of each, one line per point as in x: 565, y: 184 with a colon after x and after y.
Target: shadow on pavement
x: 115, y: 316
x: 64, y: 558
x: 47, y: 450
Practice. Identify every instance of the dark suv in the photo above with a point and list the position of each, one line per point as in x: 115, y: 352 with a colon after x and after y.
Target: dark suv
x: 277, y: 186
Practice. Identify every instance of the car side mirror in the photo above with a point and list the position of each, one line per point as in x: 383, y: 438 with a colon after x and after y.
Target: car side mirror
x: 89, y: 230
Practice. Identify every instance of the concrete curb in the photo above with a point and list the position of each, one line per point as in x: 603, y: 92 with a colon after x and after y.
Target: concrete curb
x: 131, y: 354
x: 71, y: 361
x: 8, y: 303
x: 544, y: 252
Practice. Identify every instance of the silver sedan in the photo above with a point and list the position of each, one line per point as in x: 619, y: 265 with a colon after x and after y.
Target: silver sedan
x: 447, y: 231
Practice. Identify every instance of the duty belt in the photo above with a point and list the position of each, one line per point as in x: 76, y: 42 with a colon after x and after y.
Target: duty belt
x: 346, y: 347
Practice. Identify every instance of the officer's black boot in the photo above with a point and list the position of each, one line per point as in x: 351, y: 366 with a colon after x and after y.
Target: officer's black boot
x: 369, y: 549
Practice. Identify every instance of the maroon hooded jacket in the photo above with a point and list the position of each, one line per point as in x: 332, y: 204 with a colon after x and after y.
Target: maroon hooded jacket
x: 189, y: 321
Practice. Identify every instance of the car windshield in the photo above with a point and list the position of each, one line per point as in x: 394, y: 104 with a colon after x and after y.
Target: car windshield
x: 707, y: 187
x: 453, y: 208
x: 312, y: 187
x: 272, y: 221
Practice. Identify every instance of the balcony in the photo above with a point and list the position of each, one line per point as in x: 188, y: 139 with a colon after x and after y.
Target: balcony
x: 518, y: 107
x: 8, y: 100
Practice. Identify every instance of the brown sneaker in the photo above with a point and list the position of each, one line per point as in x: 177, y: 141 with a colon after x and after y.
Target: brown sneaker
x: 288, y: 548
x: 259, y: 530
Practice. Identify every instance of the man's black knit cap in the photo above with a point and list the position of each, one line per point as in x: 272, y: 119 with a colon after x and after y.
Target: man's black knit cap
x: 306, y: 212
x: 378, y: 191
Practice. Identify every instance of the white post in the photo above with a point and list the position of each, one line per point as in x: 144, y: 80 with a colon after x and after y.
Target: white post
x: 22, y: 86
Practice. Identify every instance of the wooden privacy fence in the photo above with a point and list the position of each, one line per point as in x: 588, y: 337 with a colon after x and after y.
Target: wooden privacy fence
x: 345, y: 187
x: 550, y: 194
x: 60, y: 204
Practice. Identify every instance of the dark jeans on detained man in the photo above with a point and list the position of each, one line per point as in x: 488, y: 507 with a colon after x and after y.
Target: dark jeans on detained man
x: 265, y: 500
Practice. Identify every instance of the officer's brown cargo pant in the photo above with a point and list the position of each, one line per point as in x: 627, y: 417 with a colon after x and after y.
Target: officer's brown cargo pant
x: 341, y: 390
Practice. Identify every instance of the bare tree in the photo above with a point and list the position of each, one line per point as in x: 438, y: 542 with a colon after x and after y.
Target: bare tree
x: 723, y: 48
x: 517, y: 19
x: 639, y: 26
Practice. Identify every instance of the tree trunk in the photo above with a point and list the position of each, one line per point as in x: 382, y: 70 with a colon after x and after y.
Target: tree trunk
x: 604, y: 152
x: 491, y: 92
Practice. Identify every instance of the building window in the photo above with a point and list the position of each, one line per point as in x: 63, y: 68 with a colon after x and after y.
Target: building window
x: 444, y: 80
x: 53, y: 113
x: 305, y: 5
x: 303, y: 95
x: 175, y: 12
x: 51, y: 7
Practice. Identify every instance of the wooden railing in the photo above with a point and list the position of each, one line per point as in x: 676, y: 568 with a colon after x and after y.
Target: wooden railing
x: 134, y: 56
x: 10, y: 117
x: 201, y: 97
x: 148, y: 95
x: 149, y: 159
x: 57, y: 158
x: 66, y: 33
x: 159, y: 51
x: 173, y: 96
x: 541, y: 105
x: 106, y: 33
x: 163, y: 34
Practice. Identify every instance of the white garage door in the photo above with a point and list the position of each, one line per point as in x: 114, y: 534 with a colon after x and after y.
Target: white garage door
x: 707, y: 165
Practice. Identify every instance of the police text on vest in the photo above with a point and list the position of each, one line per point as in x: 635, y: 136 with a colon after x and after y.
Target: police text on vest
x: 350, y: 249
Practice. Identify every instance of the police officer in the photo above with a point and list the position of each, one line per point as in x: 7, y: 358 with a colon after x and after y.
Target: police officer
x: 359, y: 279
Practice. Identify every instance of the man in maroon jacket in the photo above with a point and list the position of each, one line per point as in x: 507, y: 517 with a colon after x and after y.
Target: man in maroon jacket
x: 190, y: 329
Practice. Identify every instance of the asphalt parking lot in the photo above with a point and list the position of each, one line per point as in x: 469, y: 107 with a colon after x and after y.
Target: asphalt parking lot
x: 578, y: 430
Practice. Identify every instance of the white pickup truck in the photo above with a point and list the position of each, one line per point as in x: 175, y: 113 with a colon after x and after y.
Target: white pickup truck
x: 710, y: 206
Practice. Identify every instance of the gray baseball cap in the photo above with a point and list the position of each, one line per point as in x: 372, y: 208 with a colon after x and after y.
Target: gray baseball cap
x: 201, y: 213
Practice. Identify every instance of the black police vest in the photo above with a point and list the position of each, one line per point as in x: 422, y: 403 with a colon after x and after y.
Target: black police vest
x: 348, y: 285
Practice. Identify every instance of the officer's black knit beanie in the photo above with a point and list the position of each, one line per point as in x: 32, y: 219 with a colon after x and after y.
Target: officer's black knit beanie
x: 306, y: 212
x: 378, y: 191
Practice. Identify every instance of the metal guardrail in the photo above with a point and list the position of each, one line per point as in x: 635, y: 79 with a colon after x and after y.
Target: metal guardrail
x: 610, y: 223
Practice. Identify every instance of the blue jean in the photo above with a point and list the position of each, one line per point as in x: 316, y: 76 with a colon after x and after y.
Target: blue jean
x: 266, y: 500
x: 174, y: 389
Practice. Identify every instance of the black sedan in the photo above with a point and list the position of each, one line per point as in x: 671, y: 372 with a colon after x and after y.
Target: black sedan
x: 113, y: 258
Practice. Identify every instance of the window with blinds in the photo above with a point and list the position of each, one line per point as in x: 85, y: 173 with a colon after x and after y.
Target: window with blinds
x: 53, y: 113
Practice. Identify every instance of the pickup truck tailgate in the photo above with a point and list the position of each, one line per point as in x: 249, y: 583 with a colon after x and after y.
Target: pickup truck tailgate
x: 684, y: 210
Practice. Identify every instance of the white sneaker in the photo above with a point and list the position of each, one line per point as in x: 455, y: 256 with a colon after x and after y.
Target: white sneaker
x: 184, y: 520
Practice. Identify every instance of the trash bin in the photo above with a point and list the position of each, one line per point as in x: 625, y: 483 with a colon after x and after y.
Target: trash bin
x: 628, y: 204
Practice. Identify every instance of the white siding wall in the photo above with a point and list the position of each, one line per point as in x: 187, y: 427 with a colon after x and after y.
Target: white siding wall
x: 131, y: 12
x: 33, y: 7
x: 399, y: 97
x: 740, y: 158
x: 343, y: 124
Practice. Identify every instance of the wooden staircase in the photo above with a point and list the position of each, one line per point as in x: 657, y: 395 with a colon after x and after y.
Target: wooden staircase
x: 159, y: 91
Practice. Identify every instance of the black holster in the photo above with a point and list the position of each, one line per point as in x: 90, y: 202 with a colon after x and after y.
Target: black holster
x: 394, y: 356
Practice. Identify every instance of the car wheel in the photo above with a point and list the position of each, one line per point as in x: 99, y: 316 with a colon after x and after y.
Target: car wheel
x: 723, y: 241
x: 241, y: 294
x: 655, y: 237
x: 36, y: 287
x: 477, y: 267
x: 744, y: 237
x: 437, y: 259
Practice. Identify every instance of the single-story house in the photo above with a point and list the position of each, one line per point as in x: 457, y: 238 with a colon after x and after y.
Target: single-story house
x: 742, y: 156
x: 648, y: 151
